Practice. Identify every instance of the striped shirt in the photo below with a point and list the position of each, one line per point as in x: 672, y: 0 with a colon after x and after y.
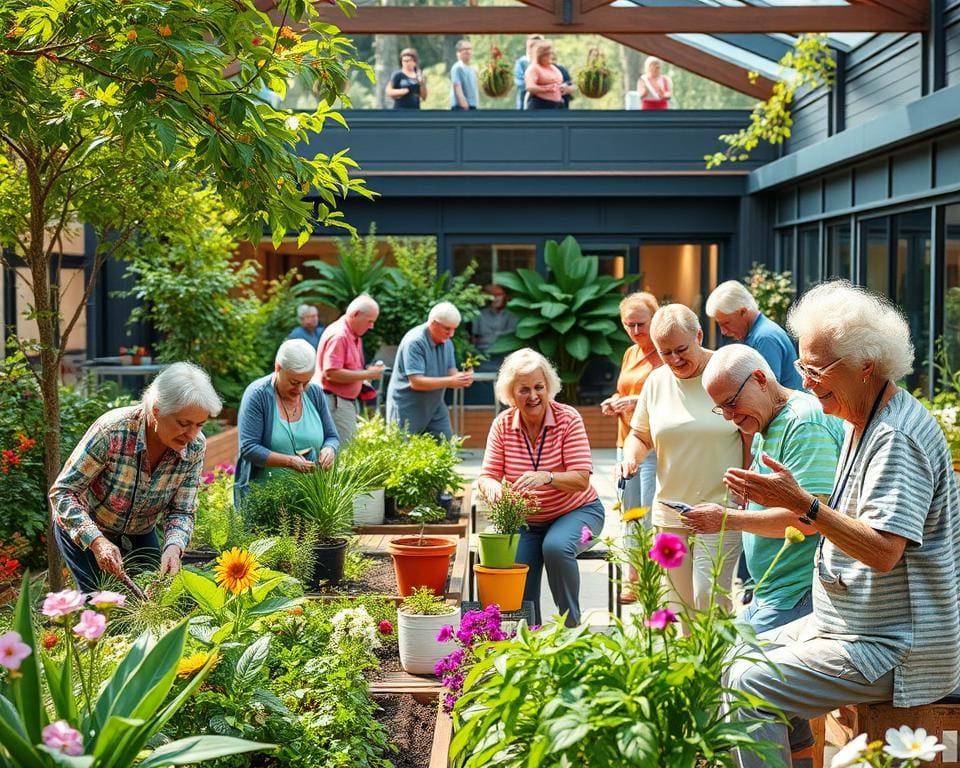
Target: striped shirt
x: 104, y: 486
x: 561, y: 447
x: 908, y: 619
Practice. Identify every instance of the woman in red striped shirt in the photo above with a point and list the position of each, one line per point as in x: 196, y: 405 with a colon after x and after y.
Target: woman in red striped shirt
x: 540, y: 446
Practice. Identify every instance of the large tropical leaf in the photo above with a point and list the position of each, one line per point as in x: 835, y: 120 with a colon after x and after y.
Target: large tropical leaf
x: 577, y: 346
x: 529, y: 327
x: 27, y: 693
x: 196, y: 749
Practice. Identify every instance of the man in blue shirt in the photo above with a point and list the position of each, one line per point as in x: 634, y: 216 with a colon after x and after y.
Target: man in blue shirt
x: 520, y: 68
x: 309, y: 328
x: 739, y: 317
x: 424, y: 368
x: 465, y: 91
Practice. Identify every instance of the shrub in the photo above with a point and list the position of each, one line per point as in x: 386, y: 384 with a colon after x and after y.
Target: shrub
x: 774, y: 291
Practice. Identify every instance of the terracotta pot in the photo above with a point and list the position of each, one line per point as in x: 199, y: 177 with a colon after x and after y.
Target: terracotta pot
x: 421, y: 565
x: 503, y: 586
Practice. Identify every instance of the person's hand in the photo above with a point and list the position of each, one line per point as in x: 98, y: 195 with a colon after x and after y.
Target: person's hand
x: 492, y: 490
x: 625, y: 405
x: 777, y: 490
x: 703, y: 518
x: 170, y: 560
x: 107, y: 555
x: 626, y: 469
x: 326, y: 458
x: 529, y: 480
x: 375, y: 370
x: 462, y: 379
x: 300, y: 464
x: 567, y: 88
x: 608, y: 405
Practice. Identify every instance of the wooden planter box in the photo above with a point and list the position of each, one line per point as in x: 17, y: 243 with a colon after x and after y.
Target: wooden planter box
x: 222, y: 448
x: 601, y: 430
x: 458, y: 528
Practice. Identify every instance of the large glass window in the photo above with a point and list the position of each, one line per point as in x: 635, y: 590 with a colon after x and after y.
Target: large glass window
x: 494, y: 257
x: 683, y: 273
x: 951, y: 284
x: 912, y: 233
x: 875, y: 236
x: 808, y: 258
x: 613, y: 257
x: 785, y: 250
x: 839, y: 258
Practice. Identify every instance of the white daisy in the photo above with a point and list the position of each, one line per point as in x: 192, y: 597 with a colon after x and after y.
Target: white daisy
x: 907, y: 743
x: 851, y: 755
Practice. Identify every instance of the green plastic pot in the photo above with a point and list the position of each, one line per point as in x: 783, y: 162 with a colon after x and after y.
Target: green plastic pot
x: 498, y: 550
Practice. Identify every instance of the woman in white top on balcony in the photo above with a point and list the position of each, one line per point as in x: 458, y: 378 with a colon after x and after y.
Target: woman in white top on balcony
x: 654, y: 88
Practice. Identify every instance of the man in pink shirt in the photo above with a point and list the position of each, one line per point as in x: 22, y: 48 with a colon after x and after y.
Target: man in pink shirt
x: 340, y: 367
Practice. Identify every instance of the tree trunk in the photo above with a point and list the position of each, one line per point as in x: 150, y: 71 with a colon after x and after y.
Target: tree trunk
x: 631, y: 66
x: 386, y: 62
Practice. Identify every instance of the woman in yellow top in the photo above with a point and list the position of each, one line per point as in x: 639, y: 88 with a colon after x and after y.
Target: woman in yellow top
x: 636, y: 311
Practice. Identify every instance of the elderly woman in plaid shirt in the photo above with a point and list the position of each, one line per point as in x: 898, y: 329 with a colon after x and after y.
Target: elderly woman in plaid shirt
x: 135, y: 468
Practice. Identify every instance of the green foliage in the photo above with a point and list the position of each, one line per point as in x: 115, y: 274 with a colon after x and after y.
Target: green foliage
x: 425, y: 467
x: 378, y: 441
x: 269, y: 501
x: 422, y: 602
x: 217, y: 523
x: 595, y: 79
x: 294, y: 549
x: 326, y: 496
x: 509, y: 513
x: 774, y: 291
x: 496, y: 75
x: 569, y: 315
x: 945, y: 405
x: 810, y: 64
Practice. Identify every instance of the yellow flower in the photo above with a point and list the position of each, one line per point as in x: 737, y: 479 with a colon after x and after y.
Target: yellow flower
x: 635, y: 513
x: 237, y: 570
x: 180, y: 83
x: 793, y: 536
x: 190, y: 665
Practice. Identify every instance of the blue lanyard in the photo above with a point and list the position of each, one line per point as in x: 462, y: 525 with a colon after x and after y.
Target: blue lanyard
x: 526, y: 441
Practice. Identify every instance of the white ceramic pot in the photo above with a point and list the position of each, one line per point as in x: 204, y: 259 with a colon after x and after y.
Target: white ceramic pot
x: 417, y: 637
x: 368, y: 508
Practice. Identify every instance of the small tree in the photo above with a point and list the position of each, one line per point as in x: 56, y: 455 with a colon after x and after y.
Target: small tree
x: 107, y: 103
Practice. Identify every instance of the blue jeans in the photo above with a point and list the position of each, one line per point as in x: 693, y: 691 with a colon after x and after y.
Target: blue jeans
x: 555, y: 546
x: 763, y: 617
x: 141, y: 552
x: 638, y: 492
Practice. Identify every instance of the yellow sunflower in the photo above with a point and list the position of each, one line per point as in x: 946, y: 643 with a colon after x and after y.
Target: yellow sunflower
x: 635, y: 513
x: 190, y: 665
x: 237, y: 570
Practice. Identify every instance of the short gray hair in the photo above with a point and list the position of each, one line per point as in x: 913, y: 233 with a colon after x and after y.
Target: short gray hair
x: 521, y: 363
x: 857, y: 324
x: 297, y: 356
x: 671, y: 317
x: 728, y: 297
x: 446, y: 313
x: 734, y: 362
x: 363, y: 303
x: 180, y: 386
x: 303, y: 309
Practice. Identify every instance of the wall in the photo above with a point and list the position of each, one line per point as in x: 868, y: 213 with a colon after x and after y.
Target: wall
x: 953, y: 42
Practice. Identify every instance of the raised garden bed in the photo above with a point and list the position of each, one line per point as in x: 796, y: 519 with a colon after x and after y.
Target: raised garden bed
x: 419, y: 729
x: 398, y: 526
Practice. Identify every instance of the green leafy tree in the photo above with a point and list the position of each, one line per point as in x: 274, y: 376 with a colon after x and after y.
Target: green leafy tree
x: 103, y: 101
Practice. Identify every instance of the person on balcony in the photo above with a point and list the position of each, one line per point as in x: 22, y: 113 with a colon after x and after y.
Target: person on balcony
x: 284, y: 421
x: 520, y: 68
x: 886, y: 598
x: 654, y: 88
x: 740, y: 318
x: 494, y: 320
x: 464, y: 86
x: 424, y: 368
x: 407, y: 86
x: 540, y: 446
x: 309, y: 329
x: 136, y: 467
x: 542, y: 80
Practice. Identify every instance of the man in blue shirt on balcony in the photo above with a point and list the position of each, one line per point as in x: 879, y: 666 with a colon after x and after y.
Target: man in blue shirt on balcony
x: 520, y: 68
x: 465, y: 92
x: 739, y: 317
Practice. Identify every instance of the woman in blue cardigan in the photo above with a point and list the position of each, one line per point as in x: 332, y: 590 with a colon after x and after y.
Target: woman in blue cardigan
x: 284, y: 422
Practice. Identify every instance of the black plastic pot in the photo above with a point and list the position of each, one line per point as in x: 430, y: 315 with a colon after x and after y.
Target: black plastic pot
x: 328, y: 563
x: 198, y: 556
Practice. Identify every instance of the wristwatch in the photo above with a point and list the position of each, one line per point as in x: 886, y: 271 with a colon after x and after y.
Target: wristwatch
x: 550, y: 480
x: 812, y: 512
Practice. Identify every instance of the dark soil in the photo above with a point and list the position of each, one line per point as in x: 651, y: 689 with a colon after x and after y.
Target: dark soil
x: 410, y: 726
x: 392, y: 518
x: 378, y: 579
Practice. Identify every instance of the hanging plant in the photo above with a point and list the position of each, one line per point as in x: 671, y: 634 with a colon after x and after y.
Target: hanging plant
x: 595, y: 80
x: 496, y: 76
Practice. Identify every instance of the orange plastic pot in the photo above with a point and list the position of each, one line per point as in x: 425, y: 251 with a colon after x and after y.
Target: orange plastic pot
x: 503, y: 586
x: 421, y: 565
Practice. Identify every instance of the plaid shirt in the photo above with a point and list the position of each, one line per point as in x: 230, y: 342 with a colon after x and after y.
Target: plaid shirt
x: 103, y: 487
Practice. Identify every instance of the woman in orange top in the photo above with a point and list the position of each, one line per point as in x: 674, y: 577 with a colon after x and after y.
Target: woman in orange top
x: 543, y: 81
x: 636, y: 311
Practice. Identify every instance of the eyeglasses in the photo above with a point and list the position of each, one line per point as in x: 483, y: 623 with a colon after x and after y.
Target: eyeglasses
x: 732, y: 402
x: 814, y: 374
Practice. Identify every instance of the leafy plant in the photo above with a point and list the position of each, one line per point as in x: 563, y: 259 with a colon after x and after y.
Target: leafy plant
x: 422, y: 602
x: 773, y: 291
x: 424, y: 468
x: 267, y: 502
x: 478, y: 629
x: 326, y: 496
x: 496, y: 75
x: 945, y: 405
x: 217, y: 523
x: 293, y: 552
x: 509, y: 513
x: 595, y: 79
x: 424, y: 514
x: 809, y: 64
x: 378, y: 442
x: 569, y: 315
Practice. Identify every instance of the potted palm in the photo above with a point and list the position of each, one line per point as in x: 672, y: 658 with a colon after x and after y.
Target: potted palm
x: 419, y: 620
x: 422, y: 561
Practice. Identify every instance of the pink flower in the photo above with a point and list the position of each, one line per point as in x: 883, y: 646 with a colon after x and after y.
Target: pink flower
x: 91, y: 625
x: 226, y: 468
x: 13, y: 650
x: 668, y: 550
x: 585, y: 535
x: 107, y: 599
x: 208, y: 478
x: 58, y: 604
x: 60, y: 737
x: 446, y: 634
x: 660, y: 619
x: 385, y: 627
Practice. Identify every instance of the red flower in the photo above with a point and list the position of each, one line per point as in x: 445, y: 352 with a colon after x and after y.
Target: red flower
x: 50, y: 640
x: 385, y: 627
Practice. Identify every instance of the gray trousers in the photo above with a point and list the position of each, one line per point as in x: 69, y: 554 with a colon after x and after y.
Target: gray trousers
x: 810, y: 676
x: 344, y: 413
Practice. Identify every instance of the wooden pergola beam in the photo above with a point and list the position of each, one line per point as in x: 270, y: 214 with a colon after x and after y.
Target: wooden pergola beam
x: 433, y: 20
x: 700, y: 63
x: 914, y: 9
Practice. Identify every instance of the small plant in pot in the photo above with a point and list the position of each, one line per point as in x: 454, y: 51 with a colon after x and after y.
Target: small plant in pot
x: 379, y: 443
x: 419, y: 620
x: 500, y: 580
x: 422, y: 561
x: 422, y: 470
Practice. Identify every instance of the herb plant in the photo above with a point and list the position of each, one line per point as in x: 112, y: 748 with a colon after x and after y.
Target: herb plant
x: 422, y: 602
x: 509, y: 513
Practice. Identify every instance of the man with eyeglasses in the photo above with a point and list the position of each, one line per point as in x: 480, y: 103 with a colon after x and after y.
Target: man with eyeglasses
x: 423, y: 370
x: 739, y: 317
x: 464, y: 85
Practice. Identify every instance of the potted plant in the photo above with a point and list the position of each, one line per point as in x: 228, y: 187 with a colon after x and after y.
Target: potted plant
x: 419, y: 620
x: 423, y: 472
x: 422, y: 561
x: 380, y: 444
x: 500, y: 580
x: 595, y: 79
x: 496, y: 76
x: 326, y: 500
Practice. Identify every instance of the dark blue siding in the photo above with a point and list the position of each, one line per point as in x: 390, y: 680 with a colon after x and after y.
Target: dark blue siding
x: 882, y: 73
x: 810, y: 119
x: 953, y: 42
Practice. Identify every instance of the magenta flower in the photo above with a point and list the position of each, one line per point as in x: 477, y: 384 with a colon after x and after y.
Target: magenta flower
x: 446, y: 634
x: 90, y: 626
x: 668, y: 550
x: 585, y: 535
x: 107, y: 599
x: 59, y: 604
x: 228, y: 469
x: 208, y: 478
x: 660, y: 619
x: 385, y: 627
x: 60, y: 737
x: 13, y: 650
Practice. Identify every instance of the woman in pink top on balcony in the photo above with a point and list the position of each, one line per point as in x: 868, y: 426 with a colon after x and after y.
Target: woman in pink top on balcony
x: 655, y: 89
x: 543, y: 81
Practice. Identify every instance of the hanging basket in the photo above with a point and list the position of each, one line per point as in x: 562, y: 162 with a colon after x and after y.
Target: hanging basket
x: 496, y: 76
x: 595, y: 80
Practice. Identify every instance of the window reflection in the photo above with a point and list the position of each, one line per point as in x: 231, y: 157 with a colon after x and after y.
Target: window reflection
x: 951, y: 284
x: 839, y: 261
